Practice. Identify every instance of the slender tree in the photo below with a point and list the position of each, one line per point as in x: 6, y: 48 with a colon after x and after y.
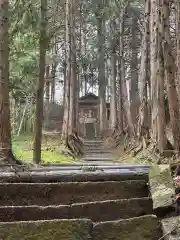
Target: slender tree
x: 66, y: 76
x: 101, y: 63
x: 113, y: 109
x: 40, y: 86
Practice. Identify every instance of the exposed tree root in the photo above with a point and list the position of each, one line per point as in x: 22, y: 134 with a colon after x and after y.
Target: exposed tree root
x: 75, y: 145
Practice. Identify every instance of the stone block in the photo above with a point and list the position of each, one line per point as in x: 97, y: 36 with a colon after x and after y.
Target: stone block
x: 112, y: 210
x: 47, y: 230
x: 171, y: 228
x: 140, y: 228
x: 161, y: 187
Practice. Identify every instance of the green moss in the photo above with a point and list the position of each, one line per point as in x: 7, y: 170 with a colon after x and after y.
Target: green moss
x: 161, y: 185
x: 46, y: 230
x: 51, y: 149
x: 142, y: 228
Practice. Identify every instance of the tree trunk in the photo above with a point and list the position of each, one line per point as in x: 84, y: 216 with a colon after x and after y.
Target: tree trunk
x: 126, y: 105
x: 153, y: 62
x: 161, y: 122
x: 5, y: 128
x: 113, y: 109
x: 40, y: 87
x: 170, y: 70
x: 101, y: 68
x: 144, y: 77
x: 73, y: 107
x: 67, y: 76
x: 47, y: 85
x: 134, y: 90
x: 53, y: 81
x: 177, y: 2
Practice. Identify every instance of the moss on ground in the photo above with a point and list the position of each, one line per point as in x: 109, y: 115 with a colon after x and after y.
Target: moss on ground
x: 51, y: 149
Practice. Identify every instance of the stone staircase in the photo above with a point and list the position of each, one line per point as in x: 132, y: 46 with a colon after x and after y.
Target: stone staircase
x: 111, y: 202
x: 94, y: 151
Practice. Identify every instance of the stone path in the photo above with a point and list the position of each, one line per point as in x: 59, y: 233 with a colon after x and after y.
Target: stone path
x: 95, y: 152
x: 97, y: 200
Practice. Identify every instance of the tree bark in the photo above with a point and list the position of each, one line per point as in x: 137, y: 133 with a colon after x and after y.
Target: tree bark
x: 47, y: 85
x: 73, y: 107
x: 170, y: 70
x: 67, y: 75
x: 144, y: 77
x: 161, y: 122
x: 126, y: 105
x: 40, y: 88
x: 134, y: 90
x: 5, y: 128
x: 113, y: 108
x: 153, y: 62
x: 101, y: 67
x: 177, y: 2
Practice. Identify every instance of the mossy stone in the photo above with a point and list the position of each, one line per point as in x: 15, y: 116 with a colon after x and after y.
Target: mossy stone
x: 161, y: 186
x: 141, y: 228
x: 46, y: 230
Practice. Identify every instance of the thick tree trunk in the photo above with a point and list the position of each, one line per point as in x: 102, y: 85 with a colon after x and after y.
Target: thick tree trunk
x: 153, y: 51
x: 144, y: 77
x: 134, y: 90
x: 101, y: 68
x: 40, y: 87
x: 161, y: 122
x: 113, y: 108
x: 126, y: 105
x: 177, y: 2
x: 170, y: 70
x: 5, y: 129
x: 73, y: 104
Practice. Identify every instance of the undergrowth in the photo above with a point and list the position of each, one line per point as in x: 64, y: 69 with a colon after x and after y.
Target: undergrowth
x: 51, y: 149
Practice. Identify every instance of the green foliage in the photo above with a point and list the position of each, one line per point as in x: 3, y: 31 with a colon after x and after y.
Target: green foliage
x: 51, y: 149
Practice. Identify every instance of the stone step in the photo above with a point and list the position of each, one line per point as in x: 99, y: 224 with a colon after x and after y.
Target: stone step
x: 51, y: 230
x: 93, y: 142
x: 96, y: 211
x: 98, y: 155
x: 85, y: 175
x: 77, y: 165
x: 141, y: 228
x: 98, y: 151
x: 171, y: 228
x: 97, y: 158
x: 45, y: 194
x: 85, y: 165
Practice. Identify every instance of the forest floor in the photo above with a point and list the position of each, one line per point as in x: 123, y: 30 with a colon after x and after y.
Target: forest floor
x: 52, y: 149
x: 54, y: 152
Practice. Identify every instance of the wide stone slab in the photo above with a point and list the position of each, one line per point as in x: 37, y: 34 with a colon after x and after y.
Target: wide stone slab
x: 141, y: 228
x: 50, y: 230
x: 33, y: 213
x: 96, y: 211
x: 112, y: 210
x: 68, y: 193
x: 75, y: 176
x: 171, y: 228
x: 161, y: 187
